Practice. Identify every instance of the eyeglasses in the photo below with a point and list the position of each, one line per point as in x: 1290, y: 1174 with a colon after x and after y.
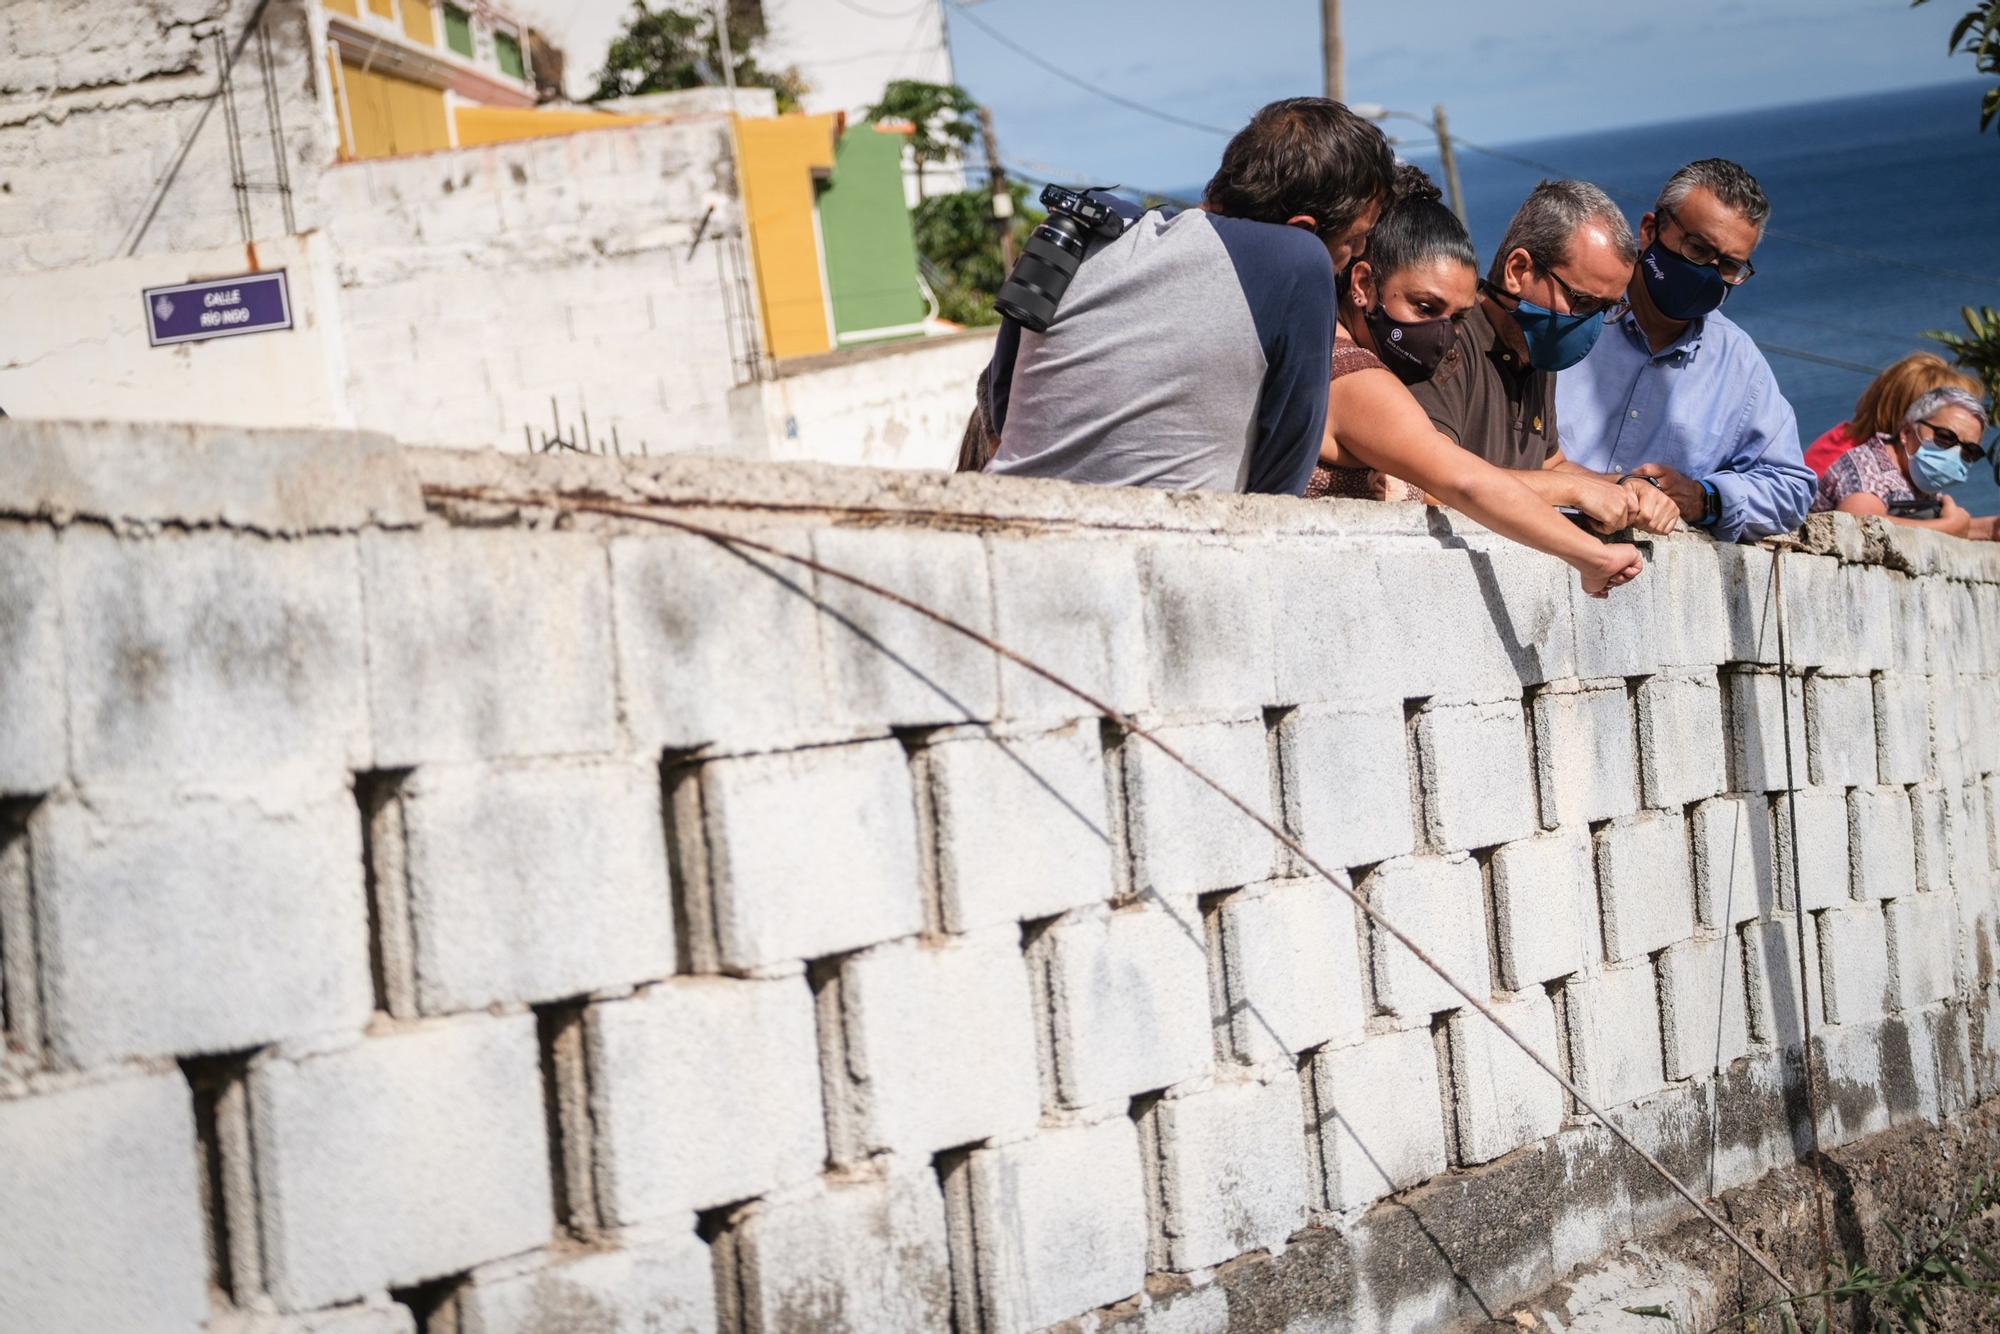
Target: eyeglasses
x: 1579, y: 302
x: 1947, y: 437
x: 1696, y: 249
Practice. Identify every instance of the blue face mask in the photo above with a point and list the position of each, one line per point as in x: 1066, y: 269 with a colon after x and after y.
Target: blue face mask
x: 1681, y: 289
x: 1934, y: 468
x: 1556, y: 342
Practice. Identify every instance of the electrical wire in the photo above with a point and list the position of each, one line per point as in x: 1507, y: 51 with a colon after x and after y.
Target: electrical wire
x: 870, y: 13
x: 737, y: 543
x: 1800, y: 354
x: 1034, y: 58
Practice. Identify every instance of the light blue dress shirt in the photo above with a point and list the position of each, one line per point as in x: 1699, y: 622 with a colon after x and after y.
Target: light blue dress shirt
x: 1707, y: 406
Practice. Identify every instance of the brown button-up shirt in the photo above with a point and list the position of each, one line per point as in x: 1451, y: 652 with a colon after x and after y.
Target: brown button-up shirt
x: 1489, y: 400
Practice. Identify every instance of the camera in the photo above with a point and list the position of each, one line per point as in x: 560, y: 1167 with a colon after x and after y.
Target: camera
x: 1054, y: 251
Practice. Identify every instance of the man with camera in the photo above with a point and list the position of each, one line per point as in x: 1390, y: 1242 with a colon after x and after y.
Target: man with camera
x: 1189, y: 352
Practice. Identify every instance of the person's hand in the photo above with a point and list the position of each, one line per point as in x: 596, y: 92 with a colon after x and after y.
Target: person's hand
x: 1658, y: 512
x: 1683, y: 490
x: 1607, y: 567
x: 1605, y: 503
x: 1957, y: 520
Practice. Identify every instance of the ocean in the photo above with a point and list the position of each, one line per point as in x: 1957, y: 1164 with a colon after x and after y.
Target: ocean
x: 1902, y: 185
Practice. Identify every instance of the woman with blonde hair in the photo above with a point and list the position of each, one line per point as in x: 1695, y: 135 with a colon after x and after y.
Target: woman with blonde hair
x: 1883, y: 403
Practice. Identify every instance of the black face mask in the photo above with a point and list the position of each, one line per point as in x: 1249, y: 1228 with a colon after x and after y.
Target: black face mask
x: 1412, y: 350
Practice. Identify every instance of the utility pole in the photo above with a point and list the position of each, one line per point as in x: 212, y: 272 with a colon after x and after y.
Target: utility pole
x: 1448, y: 160
x: 999, y: 196
x: 1329, y: 43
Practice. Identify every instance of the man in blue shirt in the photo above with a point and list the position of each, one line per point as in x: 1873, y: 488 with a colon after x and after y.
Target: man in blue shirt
x: 1193, y: 351
x: 1675, y: 391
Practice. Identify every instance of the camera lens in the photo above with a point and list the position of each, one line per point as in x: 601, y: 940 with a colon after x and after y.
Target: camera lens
x: 1042, y: 274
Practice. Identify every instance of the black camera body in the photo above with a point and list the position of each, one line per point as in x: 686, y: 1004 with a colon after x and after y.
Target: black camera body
x: 1053, y: 254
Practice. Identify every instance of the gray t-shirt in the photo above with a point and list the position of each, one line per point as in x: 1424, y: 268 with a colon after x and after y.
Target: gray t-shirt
x: 1190, y: 353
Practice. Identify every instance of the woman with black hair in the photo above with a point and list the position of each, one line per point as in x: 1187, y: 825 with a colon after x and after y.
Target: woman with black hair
x: 1399, y: 304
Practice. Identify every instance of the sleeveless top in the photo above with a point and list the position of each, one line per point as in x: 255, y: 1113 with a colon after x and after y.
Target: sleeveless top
x: 1355, y: 483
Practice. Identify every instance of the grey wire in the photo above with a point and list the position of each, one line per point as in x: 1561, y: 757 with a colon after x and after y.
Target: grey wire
x: 1118, y: 717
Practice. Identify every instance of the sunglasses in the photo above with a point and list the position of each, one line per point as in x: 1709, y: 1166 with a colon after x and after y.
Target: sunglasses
x: 1581, y: 303
x: 1947, y: 437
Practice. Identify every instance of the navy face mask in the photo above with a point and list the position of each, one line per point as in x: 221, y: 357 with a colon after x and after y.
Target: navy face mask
x: 1411, y: 349
x: 1680, y: 288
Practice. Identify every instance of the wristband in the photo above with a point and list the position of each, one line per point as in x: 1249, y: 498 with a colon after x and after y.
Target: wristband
x: 1711, y: 503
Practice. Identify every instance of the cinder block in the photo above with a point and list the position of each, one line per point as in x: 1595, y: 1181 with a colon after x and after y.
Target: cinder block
x: 1967, y: 840
x: 985, y: 790
x: 681, y: 670
x: 1583, y: 755
x: 1615, y: 1034
x: 1854, y: 963
x: 1779, y: 1002
x: 1291, y: 970
x: 1694, y: 621
x: 1500, y: 1098
x: 846, y: 1255
x: 1840, y: 730
x: 810, y: 852
x: 1469, y: 623
x: 1751, y: 605
x: 1644, y: 894
x: 208, y: 923
x: 1439, y: 903
x: 1128, y: 1000
x: 1475, y: 772
x: 1544, y: 908
x: 1056, y: 1223
x: 1927, y: 821
x: 1757, y: 722
x: 400, y: 1159
x: 1882, y: 849
x: 210, y: 654
x: 100, y: 1215
x: 379, y: 1316
x: 1902, y: 728
x: 1921, y: 949
x: 1952, y: 725
x: 1704, y: 1008
x: 1185, y: 838
x: 1619, y: 635
x: 887, y: 665
x: 663, y: 1284
x: 1232, y: 1169
x: 909, y: 1084
x: 1815, y: 619
x: 1347, y: 781
x: 530, y: 882
x: 1377, y: 1116
x: 1680, y: 740
x: 1866, y: 641
x: 1075, y: 606
x: 1208, y: 627
x: 1734, y: 876
x: 34, y: 732
x: 1821, y: 847
x: 749, y: 1049
x: 488, y: 642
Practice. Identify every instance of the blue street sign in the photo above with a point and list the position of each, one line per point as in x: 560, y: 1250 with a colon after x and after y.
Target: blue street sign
x: 218, y: 308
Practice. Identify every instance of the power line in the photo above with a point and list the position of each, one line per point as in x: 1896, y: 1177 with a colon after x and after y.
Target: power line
x: 1035, y: 59
x: 867, y: 12
x: 1820, y: 357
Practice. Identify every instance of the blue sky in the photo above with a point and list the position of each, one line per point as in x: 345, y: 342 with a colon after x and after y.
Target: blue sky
x: 1506, y: 71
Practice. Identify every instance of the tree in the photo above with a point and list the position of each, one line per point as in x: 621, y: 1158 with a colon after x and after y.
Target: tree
x: 677, y: 46
x: 943, y: 116
x: 956, y: 238
x: 1977, y: 33
x: 1978, y: 348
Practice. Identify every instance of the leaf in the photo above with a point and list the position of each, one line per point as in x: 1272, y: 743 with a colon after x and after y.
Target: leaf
x: 1960, y: 28
x: 1650, y: 1312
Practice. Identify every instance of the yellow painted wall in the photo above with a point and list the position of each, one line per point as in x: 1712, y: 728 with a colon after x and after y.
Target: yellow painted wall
x: 778, y: 158
x: 347, y: 7
x: 386, y: 8
x: 392, y: 116
x: 494, y: 125
x: 417, y: 24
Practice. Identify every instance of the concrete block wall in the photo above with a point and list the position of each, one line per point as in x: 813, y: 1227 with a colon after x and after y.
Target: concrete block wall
x: 419, y: 914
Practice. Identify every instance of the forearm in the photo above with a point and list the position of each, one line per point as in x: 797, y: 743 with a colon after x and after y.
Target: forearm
x: 1508, y: 503
x: 1950, y: 527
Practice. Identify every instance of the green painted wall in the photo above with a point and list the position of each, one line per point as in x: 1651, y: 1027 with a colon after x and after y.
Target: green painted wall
x: 871, y: 255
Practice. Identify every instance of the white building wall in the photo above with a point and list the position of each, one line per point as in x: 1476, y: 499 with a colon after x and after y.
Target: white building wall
x: 478, y: 284
x: 98, y: 101
x: 73, y: 344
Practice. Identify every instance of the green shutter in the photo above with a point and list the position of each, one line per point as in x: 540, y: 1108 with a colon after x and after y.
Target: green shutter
x: 871, y: 256
x: 509, y: 53
x: 458, y: 30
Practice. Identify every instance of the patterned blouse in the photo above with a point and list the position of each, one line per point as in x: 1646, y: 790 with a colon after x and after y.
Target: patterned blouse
x: 1356, y: 483
x: 1870, y: 466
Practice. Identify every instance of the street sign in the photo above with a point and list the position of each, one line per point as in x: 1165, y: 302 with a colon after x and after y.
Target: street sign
x: 218, y: 308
